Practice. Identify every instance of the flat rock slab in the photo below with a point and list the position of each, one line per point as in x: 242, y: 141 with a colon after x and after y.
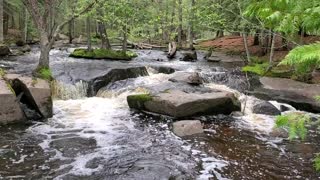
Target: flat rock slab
x: 223, y: 57
x: 187, y: 128
x: 299, y: 95
x: 40, y: 91
x: 180, y: 104
x: 10, y: 111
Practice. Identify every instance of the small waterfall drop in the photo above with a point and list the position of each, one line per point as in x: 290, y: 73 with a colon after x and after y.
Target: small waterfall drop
x: 62, y: 91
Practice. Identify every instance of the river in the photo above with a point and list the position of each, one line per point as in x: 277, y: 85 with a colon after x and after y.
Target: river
x: 99, y: 137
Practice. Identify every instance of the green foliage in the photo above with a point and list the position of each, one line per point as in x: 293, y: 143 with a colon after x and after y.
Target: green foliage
x: 295, y: 124
x: 317, y: 162
x: 45, y: 73
x: 259, y: 69
x: 304, y: 58
x: 103, y: 54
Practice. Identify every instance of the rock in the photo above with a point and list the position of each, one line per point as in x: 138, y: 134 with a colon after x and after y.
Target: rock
x: 163, y: 69
x: 71, y: 147
x: 189, y: 56
x: 62, y: 37
x: 237, y: 114
x: 190, y: 78
x: 213, y: 59
x: 180, y: 104
x: 10, y: 111
x: 20, y: 43
x: 137, y: 101
x: 35, y: 91
x: 284, y: 108
x: 4, y: 50
x: 187, y: 128
x: 315, y: 76
x: 26, y: 48
x: 266, y: 108
x: 297, y: 94
x: 115, y: 75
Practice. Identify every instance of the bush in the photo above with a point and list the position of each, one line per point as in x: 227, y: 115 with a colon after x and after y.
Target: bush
x: 103, y: 54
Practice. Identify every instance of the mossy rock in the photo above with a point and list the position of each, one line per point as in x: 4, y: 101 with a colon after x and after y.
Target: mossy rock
x: 137, y: 101
x: 103, y: 54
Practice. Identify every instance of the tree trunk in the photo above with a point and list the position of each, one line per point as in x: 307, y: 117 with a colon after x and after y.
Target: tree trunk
x: 1, y: 22
x: 25, y: 37
x: 219, y: 34
x: 71, y: 31
x: 89, y: 34
x: 245, y: 42
x: 256, y: 38
x: 105, y: 43
x: 125, y: 39
x: 273, y: 40
x: 45, y: 48
x: 180, y: 25
x: 191, y: 33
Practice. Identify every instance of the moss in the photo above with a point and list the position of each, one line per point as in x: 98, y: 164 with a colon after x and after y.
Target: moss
x: 103, y: 54
x: 2, y: 72
x: 137, y: 101
x: 259, y: 69
x: 10, y: 88
x: 44, y: 73
x: 34, y: 81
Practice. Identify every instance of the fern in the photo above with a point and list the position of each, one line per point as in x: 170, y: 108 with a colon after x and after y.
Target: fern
x: 304, y: 58
x: 295, y: 124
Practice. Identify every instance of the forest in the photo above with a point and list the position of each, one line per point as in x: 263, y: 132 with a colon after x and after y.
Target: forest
x: 159, y: 89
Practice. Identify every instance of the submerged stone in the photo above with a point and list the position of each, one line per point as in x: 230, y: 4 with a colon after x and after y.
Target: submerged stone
x: 187, y: 128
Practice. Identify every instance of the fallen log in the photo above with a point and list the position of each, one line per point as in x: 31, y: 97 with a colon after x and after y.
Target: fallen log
x: 172, y: 50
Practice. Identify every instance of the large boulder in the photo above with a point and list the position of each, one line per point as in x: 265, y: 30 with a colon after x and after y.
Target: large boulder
x: 187, y: 128
x: 180, y: 104
x: 4, y: 50
x: 35, y: 92
x: 10, y: 111
x: 26, y: 48
x: 186, y: 77
x: 189, y: 56
x: 266, y: 108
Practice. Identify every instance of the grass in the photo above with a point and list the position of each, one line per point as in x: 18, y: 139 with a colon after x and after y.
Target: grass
x: 103, y: 54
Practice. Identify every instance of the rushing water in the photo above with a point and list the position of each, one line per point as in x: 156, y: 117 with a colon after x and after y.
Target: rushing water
x: 101, y: 138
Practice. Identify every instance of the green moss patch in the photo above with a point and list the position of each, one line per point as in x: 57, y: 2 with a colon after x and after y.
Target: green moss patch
x: 137, y: 101
x: 259, y: 69
x: 44, y: 73
x: 2, y: 72
x: 103, y: 54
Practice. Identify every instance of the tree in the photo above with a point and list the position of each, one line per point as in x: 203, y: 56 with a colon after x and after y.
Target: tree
x: 1, y: 22
x: 40, y: 13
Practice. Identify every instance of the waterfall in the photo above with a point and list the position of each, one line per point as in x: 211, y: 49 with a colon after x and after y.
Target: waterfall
x: 64, y: 91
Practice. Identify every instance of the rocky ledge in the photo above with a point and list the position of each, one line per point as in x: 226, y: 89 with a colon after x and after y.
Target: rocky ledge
x: 24, y: 98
